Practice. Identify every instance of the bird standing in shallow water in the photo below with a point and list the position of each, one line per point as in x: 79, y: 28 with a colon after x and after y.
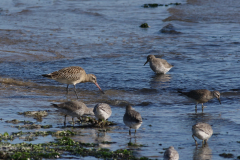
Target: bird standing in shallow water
x: 74, y: 109
x: 202, y: 131
x: 132, y: 119
x: 158, y: 65
x: 171, y: 154
x: 202, y: 96
x: 72, y: 75
x: 102, y: 111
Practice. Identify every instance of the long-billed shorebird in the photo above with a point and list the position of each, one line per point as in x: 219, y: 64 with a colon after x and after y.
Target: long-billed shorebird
x: 202, y: 96
x: 74, y: 109
x: 158, y: 65
x: 171, y: 154
x: 132, y: 119
x: 102, y: 111
x: 73, y: 75
x: 202, y: 131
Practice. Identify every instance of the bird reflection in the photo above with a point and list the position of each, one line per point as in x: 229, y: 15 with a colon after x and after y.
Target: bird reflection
x: 160, y: 80
x: 200, y: 117
x: 134, y: 142
x: 103, y: 137
x: 202, y: 153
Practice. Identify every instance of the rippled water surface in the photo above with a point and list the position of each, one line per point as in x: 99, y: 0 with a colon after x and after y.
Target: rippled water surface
x: 104, y: 38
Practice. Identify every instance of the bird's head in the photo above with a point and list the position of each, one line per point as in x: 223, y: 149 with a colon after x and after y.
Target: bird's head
x: 149, y: 58
x: 217, y: 95
x: 93, y: 79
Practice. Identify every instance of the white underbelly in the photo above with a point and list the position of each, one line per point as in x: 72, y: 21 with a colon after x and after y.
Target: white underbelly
x: 133, y: 125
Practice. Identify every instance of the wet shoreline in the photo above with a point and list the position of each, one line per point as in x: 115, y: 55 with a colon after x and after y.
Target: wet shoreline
x: 105, y: 39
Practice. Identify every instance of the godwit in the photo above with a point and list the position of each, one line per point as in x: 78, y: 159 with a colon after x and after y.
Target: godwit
x: 132, y: 119
x: 73, y: 75
x: 202, y: 96
x: 158, y: 65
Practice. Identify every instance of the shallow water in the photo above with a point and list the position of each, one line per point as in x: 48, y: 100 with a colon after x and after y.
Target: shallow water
x: 104, y: 38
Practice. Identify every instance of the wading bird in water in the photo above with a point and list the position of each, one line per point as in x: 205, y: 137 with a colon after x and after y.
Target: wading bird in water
x: 73, y: 75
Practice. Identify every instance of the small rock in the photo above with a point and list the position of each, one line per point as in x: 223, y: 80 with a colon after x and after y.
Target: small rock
x: 144, y: 25
x: 169, y: 29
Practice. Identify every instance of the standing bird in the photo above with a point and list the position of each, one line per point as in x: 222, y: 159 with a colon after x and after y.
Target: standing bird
x: 171, y: 154
x: 73, y: 75
x: 102, y: 111
x: 132, y: 119
x: 158, y: 65
x: 74, y: 109
x: 202, y: 131
x: 202, y: 96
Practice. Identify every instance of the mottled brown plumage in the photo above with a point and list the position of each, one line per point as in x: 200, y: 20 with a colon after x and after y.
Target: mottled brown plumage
x: 72, y: 75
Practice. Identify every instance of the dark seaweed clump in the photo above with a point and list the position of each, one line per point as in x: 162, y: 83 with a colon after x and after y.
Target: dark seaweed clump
x: 169, y: 29
x: 130, y: 144
x: 153, y: 5
x: 226, y: 155
x: 144, y: 25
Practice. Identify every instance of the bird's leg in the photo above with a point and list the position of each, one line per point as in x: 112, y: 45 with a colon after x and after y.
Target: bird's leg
x: 104, y: 122
x: 203, y: 107
x: 67, y: 89
x: 73, y: 120
x: 65, y: 120
x: 194, y: 140
x: 206, y: 141
x: 80, y: 120
x: 130, y: 131
x: 75, y: 91
x: 196, y: 108
x: 135, y: 131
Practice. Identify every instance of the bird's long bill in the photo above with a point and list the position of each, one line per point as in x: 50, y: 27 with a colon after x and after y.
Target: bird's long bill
x: 219, y: 100
x: 99, y: 88
x: 146, y: 62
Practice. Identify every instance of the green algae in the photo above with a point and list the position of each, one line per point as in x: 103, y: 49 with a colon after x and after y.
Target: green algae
x: 34, y: 113
x: 88, y: 122
x: 30, y: 136
x: 61, y: 146
x: 33, y: 126
x: 6, y: 136
x: 15, y: 121
x: 130, y: 144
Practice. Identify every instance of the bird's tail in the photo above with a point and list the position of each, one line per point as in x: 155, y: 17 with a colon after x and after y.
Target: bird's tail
x: 55, y: 105
x: 184, y: 93
x: 46, y: 75
x: 180, y: 91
